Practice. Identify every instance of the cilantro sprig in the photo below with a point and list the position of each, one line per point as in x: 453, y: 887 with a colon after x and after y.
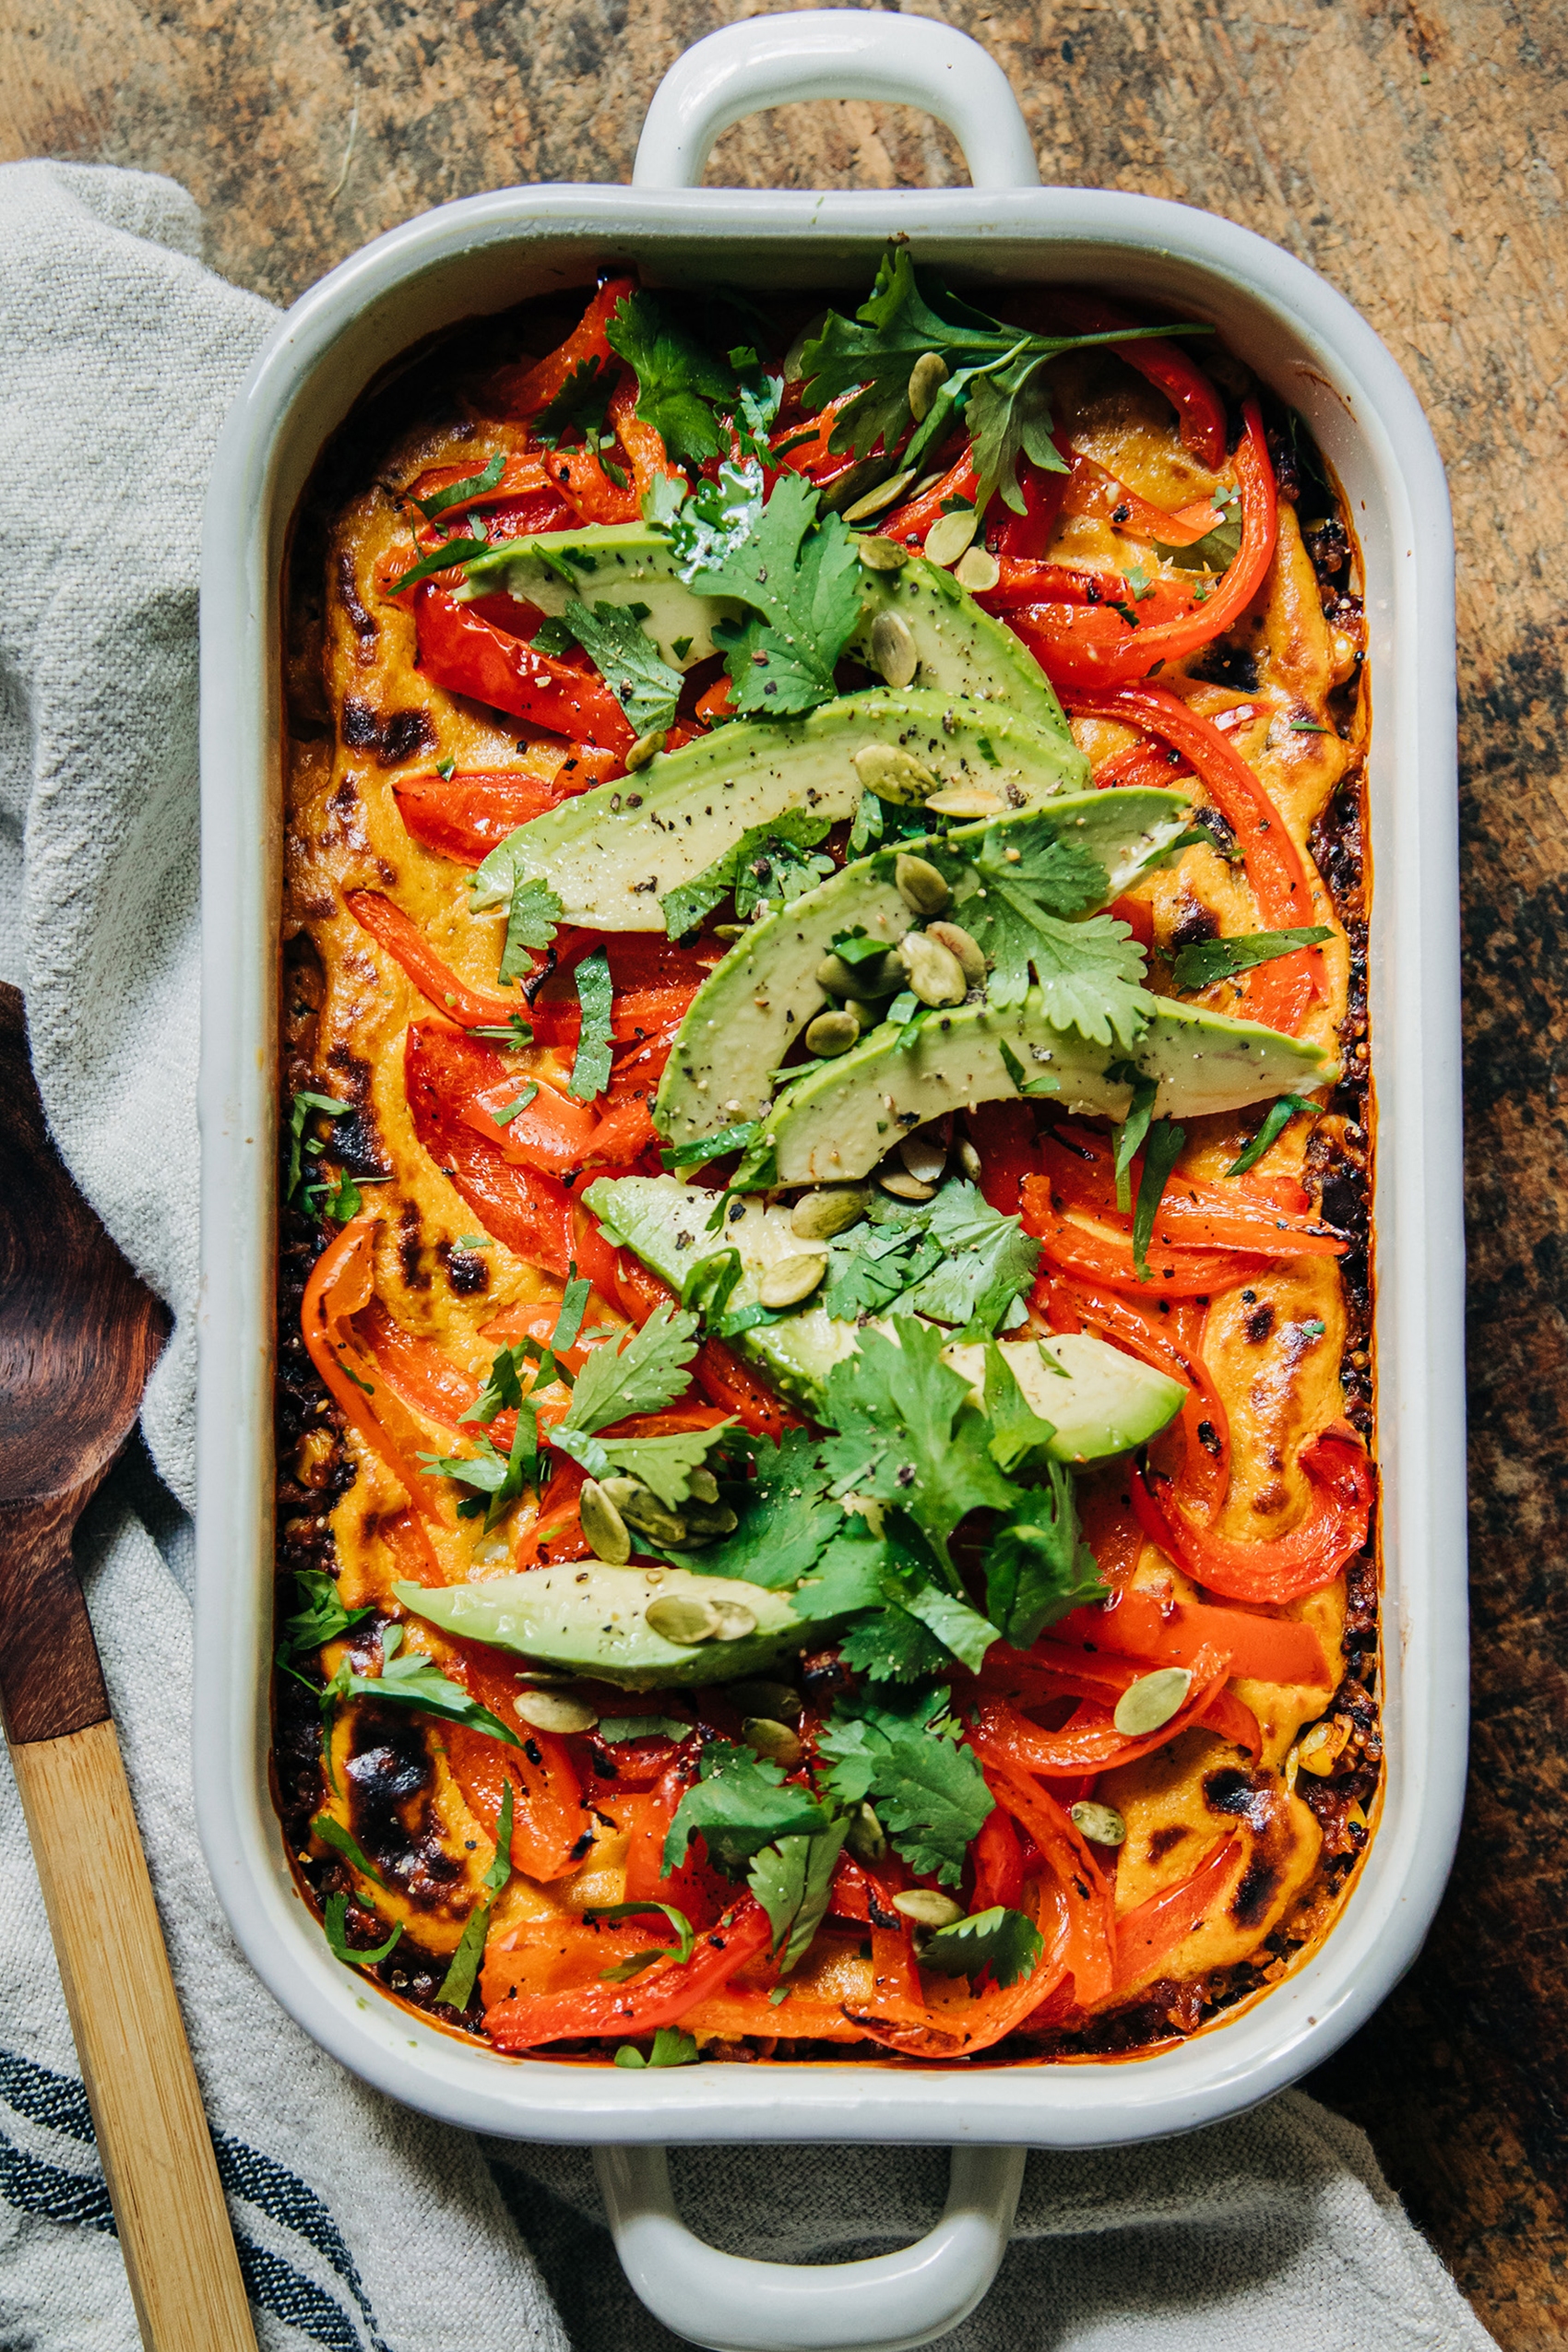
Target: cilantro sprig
x: 457, y: 1985
x: 770, y: 865
x: 1213, y: 959
x: 905, y: 1756
x: 1004, y: 1944
x: 799, y: 577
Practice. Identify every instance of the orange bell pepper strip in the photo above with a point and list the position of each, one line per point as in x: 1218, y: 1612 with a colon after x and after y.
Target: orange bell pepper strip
x: 423, y: 1373
x: 1105, y: 1258
x: 643, y: 444
x: 1278, y: 992
x: 1092, y: 490
x: 579, y: 476
x: 661, y: 1996
x: 550, y: 1831
x: 1191, y: 1215
x: 522, y: 474
x: 1172, y: 1347
x: 1137, y: 1623
x: 1284, y: 1568
x: 1088, y: 647
x: 466, y: 815
x: 1152, y: 1928
x: 1082, y: 1889
x: 905, y: 2022
x: 408, y: 948
x: 1092, y: 1742
x: 524, y: 1209
x: 526, y: 389
x: 465, y: 654
x: 550, y: 1131
x: 997, y: 1855
x: 340, y: 1285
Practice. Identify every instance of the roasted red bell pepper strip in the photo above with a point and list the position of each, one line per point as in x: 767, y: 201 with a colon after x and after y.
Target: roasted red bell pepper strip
x: 998, y: 1857
x: 529, y: 1212
x: 1199, y: 408
x: 1105, y: 1258
x: 342, y: 1283
x: 1137, y: 1623
x: 521, y: 474
x: 465, y: 654
x: 900, y: 2018
x: 408, y: 946
x: 1028, y: 535
x: 1192, y: 1215
x: 643, y: 442
x: 1285, y: 1567
x: 1165, y: 1342
x: 1145, y: 1934
x: 468, y: 814
x: 550, y: 1131
x: 1093, y: 1743
x: 550, y: 1831
x: 1091, y: 488
x: 525, y: 390
x: 1003, y: 1134
x: 1087, y: 647
x: 1084, y: 1890
x: 1142, y: 766
x: 1275, y: 992
x: 660, y: 1997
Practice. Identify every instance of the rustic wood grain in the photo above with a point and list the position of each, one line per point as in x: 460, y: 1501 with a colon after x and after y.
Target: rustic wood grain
x: 1414, y: 151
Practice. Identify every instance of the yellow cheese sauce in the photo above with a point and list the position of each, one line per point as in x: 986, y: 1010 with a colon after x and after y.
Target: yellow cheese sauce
x: 1285, y: 1348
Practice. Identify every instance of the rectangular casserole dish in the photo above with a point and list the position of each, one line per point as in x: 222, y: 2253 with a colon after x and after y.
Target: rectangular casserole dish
x: 482, y: 255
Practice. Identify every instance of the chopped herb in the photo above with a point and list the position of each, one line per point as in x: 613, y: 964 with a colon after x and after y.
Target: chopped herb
x: 642, y: 1375
x: 459, y: 493
x: 322, y: 1618
x: 331, y: 1831
x: 707, y: 1148
x: 1212, y: 959
x: 440, y: 559
x: 1089, y: 972
x: 1043, y: 1083
x: 1218, y: 549
x: 664, y: 1465
x: 671, y: 2048
x: 630, y: 664
x: 304, y: 1104
x: 681, y: 1949
x: 616, y: 1727
x: 1161, y: 1150
x: 769, y: 863
x: 590, y: 1064
x: 1307, y: 727
x: 352, y: 1957
x: 1036, y: 1567
x: 907, y: 1759
x: 1003, y: 1943
x: 581, y: 406
x: 793, y: 1880
x: 517, y: 1033
x: 531, y: 918
x: 505, y: 1118
x: 472, y: 1241
x: 573, y: 1306
x: 1280, y: 1114
x: 446, y: 769
x: 740, y: 1804
x: 800, y: 576
x: 683, y: 388
x: 457, y: 1985
x: 1132, y: 1129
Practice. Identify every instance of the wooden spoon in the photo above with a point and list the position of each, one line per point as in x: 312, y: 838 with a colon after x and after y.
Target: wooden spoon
x: 78, y: 1336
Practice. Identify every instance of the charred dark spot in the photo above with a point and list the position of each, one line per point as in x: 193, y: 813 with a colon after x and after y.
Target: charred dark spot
x: 1259, y: 1322
x: 1256, y: 1891
x: 1230, y: 1790
x: 466, y: 1270
x: 604, y: 1766
x: 356, y: 1144
x: 532, y: 1750
x: 1163, y: 1842
x: 878, y: 1913
x: 361, y: 621
x: 1228, y: 665
x: 403, y: 733
x: 353, y: 1072
x: 358, y: 726
x: 1197, y: 924
x: 823, y: 1676
x: 1219, y: 829
x: 1328, y: 545
x: 416, y: 1275
x: 346, y: 797
x: 582, y: 1846
x: 390, y: 1781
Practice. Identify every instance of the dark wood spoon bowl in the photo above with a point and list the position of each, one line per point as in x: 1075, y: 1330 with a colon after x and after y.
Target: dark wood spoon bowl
x: 78, y: 1336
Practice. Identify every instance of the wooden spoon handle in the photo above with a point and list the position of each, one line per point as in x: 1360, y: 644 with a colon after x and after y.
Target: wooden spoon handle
x: 147, y: 2110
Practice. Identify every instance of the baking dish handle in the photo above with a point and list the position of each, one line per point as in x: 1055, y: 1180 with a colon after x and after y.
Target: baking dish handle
x: 883, y: 2305
x: 835, y: 53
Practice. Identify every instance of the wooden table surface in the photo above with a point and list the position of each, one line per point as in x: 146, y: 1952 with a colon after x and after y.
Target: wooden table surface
x: 1413, y: 151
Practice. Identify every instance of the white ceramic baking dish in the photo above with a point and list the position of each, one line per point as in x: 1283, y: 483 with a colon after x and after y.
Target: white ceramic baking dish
x: 482, y: 255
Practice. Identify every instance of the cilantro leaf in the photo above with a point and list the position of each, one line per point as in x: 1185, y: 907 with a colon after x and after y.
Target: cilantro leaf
x: 1133, y: 1128
x: 487, y: 1471
x: 715, y: 1147
x: 1007, y: 1944
x: 590, y: 1064
x: 907, y: 1434
x: 1009, y: 416
x: 1036, y: 1568
x: 671, y: 2048
x: 1213, y: 959
x: 322, y: 1617
x: 411, y: 1680
x: 627, y: 658
x: 1089, y: 972
x: 1161, y: 1151
x: 457, y: 1985
x: 1017, y: 1432
x: 1280, y: 1114
x: 352, y: 1956
x: 533, y: 911
x: 905, y: 1757
x: 792, y: 1880
x: 870, y: 1266
x: 581, y: 405
x: 439, y: 559
x: 680, y: 384
x: 889, y: 1645
x: 785, y: 1522
x: 642, y: 1375
x: 331, y: 1831
x: 457, y: 494
x: 663, y: 1464
x: 710, y: 522
x: 800, y: 579
x: 767, y: 862
x: 739, y: 1805
x: 988, y: 1262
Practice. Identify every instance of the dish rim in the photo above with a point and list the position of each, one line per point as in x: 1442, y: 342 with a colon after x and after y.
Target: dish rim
x: 483, y: 254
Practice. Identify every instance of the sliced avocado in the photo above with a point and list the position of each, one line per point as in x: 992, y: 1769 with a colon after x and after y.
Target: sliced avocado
x: 1099, y: 1401
x: 960, y: 648
x: 834, y: 1124
x: 752, y: 1007
x: 612, y: 855
x: 593, y: 1619
x: 1106, y: 1402
x: 665, y: 1222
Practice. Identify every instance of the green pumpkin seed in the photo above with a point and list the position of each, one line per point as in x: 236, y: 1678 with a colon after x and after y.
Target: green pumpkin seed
x: 936, y: 975
x: 817, y: 1216
x: 645, y: 749
x: 554, y: 1711
x: 883, y: 554
x: 861, y: 984
x: 1150, y: 1702
x: 919, y: 885
x: 685, y: 1621
x: 885, y: 770
x: 733, y: 1621
x: 702, y: 1483
x: 976, y: 570
x: 1102, y: 1824
x: 950, y: 535
x: 832, y: 1034
x: 604, y: 1530
x: 927, y: 1908
x: 893, y: 650
x: 905, y: 1187
x: 791, y: 1280
x: 866, y: 1838
x: 925, y: 1157
x: 959, y: 943
x: 877, y: 502
x: 642, y: 1509
x: 966, y: 799
x: 774, y: 1740
x: 777, y: 1701
x: 926, y: 379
